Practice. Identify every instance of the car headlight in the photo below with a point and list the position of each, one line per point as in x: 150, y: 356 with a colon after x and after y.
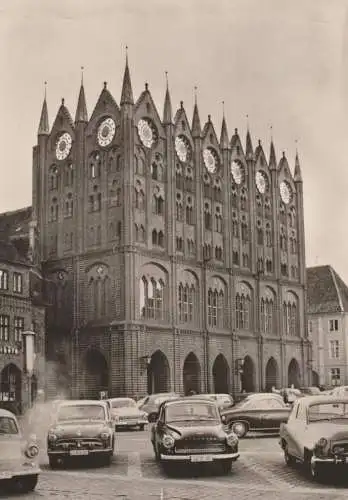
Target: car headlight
x: 232, y: 439
x: 322, y: 443
x: 32, y: 451
x: 105, y: 434
x: 168, y: 441
x: 52, y: 437
x: 145, y: 415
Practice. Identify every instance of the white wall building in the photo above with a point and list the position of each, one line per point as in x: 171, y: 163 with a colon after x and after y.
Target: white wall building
x: 327, y: 299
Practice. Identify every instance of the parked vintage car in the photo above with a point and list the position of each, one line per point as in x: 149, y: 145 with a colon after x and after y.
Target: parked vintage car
x: 310, y: 391
x: 152, y: 403
x: 222, y: 400
x: 340, y: 391
x: 262, y: 412
x: 316, y: 433
x: 191, y: 431
x: 125, y: 413
x: 18, y: 467
x: 82, y: 428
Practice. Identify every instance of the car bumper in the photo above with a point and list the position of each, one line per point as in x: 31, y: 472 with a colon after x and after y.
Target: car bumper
x: 78, y: 452
x: 132, y: 423
x: 330, y: 460
x: 6, y: 475
x: 199, y: 458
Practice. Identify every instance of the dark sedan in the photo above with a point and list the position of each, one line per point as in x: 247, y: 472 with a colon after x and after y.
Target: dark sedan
x: 191, y: 431
x: 257, y: 412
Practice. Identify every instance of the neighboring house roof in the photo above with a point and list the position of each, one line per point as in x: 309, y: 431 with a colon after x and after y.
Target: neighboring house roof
x: 10, y: 253
x: 15, y: 223
x: 326, y: 291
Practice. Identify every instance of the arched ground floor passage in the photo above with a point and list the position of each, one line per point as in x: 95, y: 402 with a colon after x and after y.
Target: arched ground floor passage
x: 136, y: 370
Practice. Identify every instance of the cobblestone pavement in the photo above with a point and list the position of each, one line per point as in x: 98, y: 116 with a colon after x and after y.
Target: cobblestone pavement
x: 260, y: 473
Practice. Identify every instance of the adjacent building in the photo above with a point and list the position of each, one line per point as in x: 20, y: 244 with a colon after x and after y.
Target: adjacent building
x: 328, y: 325
x: 173, y: 259
x: 21, y: 309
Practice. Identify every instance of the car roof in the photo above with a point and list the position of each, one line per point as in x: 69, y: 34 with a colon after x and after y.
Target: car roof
x: 120, y: 399
x: 264, y: 395
x: 6, y: 413
x: 187, y: 399
x: 314, y: 400
x: 75, y: 402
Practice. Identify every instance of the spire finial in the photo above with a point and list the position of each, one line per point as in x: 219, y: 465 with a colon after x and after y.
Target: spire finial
x: 223, y: 109
x: 126, y: 55
x: 247, y: 120
x: 271, y: 131
x: 146, y: 86
x: 63, y: 101
x: 166, y: 73
x: 195, y: 93
x: 296, y: 145
x: 45, y: 90
x: 105, y: 85
x: 82, y: 69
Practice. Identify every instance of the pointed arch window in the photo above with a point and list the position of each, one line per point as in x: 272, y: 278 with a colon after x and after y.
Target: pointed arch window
x: 53, y: 215
x: 244, y: 231
x: 53, y: 178
x: 157, y: 205
x: 234, y: 199
x: 259, y: 236
x: 207, y: 217
x: 243, y: 311
x: 268, y: 234
x: 152, y: 298
x: 139, y: 199
x: 186, y: 296
x: 218, y: 220
x: 235, y: 257
x: 179, y: 210
x: 235, y: 228
x: 69, y: 206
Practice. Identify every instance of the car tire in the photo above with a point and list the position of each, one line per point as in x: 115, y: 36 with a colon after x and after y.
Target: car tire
x: 26, y: 484
x: 157, y: 453
x: 141, y: 427
x: 53, y: 462
x: 289, y: 459
x: 315, y: 471
x: 226, y: 466
x: 239, y: 428
x: 168, y: 469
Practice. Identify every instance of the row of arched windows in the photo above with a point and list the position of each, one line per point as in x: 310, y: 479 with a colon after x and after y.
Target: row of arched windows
x: 54, y: 176
x: 152, y: 300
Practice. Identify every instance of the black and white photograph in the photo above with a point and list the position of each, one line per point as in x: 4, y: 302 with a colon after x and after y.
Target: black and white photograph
x: 173, y: 249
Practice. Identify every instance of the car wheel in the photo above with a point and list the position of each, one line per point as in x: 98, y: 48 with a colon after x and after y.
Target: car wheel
x: 226, y: 466
x: 53, y: 462
x: 168, y: 469
x: 239, y: 428
x: 289, y: 459
x: 27, y: 483
x: 141, y: 427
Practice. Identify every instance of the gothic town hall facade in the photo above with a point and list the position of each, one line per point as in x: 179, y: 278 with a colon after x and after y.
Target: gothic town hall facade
x: 174, y: 259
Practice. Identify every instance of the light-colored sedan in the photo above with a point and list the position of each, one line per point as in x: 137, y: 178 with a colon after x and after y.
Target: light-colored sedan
x: 18, y: 468
x: 126, y: 413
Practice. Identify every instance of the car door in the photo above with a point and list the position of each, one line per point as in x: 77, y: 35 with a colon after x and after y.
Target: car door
x: 158, y: 427
x: 295, y: 430
x: 249, y: 411
x: 273, y: 413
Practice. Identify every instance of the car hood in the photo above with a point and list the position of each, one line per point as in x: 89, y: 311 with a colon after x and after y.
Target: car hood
x: 193, y: 428
x: 128, y: 412
x: 80, y: 428
x: 333, y: 431
x: 10, y: 448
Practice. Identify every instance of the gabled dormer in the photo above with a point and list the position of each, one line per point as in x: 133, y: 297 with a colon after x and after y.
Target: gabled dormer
x: 260, y: 157
x: 147, y: 119
x: 212, y: 159
x: 106, y: 106
x: 236, y: 146
x: 62, y: 133
x: 286, y: 183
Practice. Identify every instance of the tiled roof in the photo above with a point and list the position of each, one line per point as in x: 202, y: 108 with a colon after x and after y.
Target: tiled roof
x: 15, y: 223
x: 326, y: 291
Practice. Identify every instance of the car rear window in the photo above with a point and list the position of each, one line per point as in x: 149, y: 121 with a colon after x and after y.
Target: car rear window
x: 8, y: 426
x: 81, y: 412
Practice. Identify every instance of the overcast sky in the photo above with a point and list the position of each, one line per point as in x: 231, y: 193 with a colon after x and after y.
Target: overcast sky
x: 282, y: 62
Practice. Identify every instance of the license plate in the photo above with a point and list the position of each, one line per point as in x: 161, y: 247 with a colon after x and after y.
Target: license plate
x: 201, y: 458
x: 78, y: 452
x: 5, y: 475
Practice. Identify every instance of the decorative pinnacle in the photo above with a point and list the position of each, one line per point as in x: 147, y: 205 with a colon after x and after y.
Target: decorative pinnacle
x: 105, y: 85
x: 82, y: 69
x: 236, y: 131
x: 296, y: 142
x: 45, y: 91
x: 209, y: 118
x: 146, y: 86
x: 247, y: 120
x: 195, y: 94
x: 166, y: 73
x: 181, y: 104
x: 63, y: 101
x: 223, y: 108
x: 127, y: 53
x: 271, y: 130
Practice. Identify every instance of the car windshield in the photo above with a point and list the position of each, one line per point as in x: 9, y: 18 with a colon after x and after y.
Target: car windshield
x: 123, y: 403
x: 327, y: 411
x: 78, y: 412
x: 8, y: 426
x: 191, y: 411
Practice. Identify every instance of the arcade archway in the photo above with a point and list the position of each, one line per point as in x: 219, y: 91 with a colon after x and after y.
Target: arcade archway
x: 315, y: 378
x: 294, y: 374
x: 192, y: 374
x: 11, y: 388
x: 221, y: 375
x: 96, y: 374
x: 248, y: 375
x: 158, y: 374
x: 271, y: 374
